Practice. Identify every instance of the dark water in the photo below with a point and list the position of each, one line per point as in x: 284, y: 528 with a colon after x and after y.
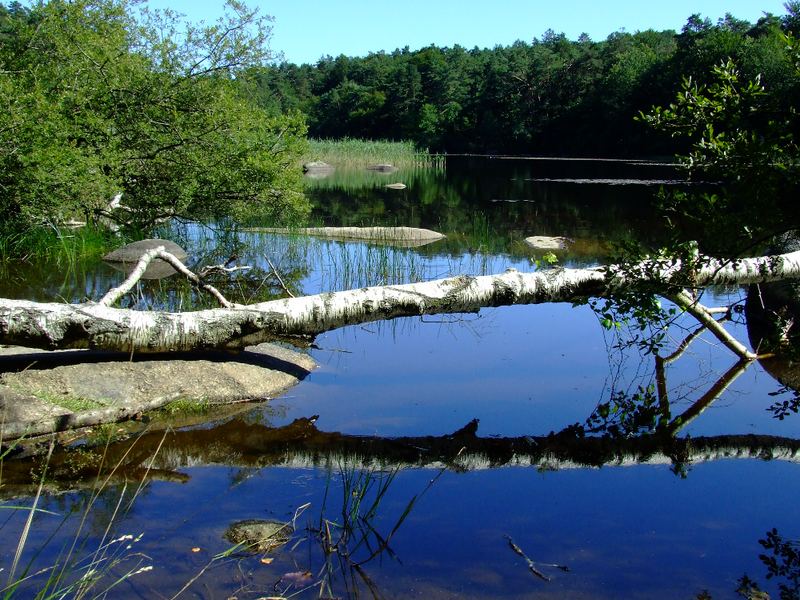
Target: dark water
x: 460, y: 424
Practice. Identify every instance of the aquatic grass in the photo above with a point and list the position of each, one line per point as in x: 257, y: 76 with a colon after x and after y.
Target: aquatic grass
x: 183, y: 407
x: 358, y: 154
x: 350, y: 265
x: 62, y: 246
x: 77, y: 571
x: 355, y: 537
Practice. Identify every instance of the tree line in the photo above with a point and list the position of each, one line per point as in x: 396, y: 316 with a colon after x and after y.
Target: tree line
x: 550, y: 96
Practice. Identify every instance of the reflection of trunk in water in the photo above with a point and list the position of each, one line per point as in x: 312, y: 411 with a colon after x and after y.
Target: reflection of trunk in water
x: 301, y: 444
x: 672, y: 426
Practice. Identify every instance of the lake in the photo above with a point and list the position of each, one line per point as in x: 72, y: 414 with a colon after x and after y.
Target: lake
x: 503, y: 454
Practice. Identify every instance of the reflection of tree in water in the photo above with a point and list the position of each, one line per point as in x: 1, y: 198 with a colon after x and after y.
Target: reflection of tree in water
x: 781, y: 558
x: 491, y: 204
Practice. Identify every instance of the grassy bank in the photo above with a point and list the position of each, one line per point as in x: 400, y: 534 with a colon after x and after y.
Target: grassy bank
x: 62, y: 245
x: 350, y: 153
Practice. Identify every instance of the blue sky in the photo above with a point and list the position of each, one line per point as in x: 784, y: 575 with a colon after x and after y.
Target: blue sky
x: 305, y: 30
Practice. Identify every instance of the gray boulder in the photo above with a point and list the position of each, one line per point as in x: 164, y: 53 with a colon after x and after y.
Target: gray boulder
x: 133, y: 252
x: 543, y: 242
x: 125, y: 258
x: 317, y: 169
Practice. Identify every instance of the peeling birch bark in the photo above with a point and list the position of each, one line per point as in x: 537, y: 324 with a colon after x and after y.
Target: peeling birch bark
x: 95, y: 325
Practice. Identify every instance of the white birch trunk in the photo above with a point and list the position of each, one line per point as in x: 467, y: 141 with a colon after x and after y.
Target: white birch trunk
x: 95, y: 325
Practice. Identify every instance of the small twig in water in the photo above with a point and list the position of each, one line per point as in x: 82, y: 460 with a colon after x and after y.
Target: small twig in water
x: 531, y: 564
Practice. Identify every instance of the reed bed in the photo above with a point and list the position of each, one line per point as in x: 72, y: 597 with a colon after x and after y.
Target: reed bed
x: 61, y: 245
x: 351, y: 153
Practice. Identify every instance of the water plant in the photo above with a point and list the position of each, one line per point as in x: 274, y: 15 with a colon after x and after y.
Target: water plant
x: 352, y: 531
x: 62, y: 245
x: 88, y: 566
x: 352, y: 538
x: 348, y: 265
x: 355, y: 153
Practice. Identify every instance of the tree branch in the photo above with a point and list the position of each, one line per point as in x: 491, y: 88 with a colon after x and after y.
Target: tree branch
x: 114, y: 294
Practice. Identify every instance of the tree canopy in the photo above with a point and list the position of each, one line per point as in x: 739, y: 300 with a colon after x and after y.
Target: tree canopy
x: 547, y: 96
x: 101, y: 98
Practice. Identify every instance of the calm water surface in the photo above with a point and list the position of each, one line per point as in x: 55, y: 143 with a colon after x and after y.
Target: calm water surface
x: 672, y: 525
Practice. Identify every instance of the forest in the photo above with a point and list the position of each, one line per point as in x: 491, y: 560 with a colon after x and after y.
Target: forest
x: 551, y: 96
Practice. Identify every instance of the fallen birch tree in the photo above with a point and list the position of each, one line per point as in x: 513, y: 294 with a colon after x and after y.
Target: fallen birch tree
x: 98, y: 325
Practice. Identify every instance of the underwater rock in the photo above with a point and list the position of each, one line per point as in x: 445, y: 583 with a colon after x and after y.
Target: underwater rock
x: 259, y: 535
x: 543, y: 242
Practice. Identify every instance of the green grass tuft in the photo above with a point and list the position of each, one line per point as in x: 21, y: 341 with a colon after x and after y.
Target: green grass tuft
x: 61, y: 245
x: 184, y: 407
x: 73, y: 403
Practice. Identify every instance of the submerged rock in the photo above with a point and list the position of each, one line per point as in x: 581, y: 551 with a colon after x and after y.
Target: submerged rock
x: 396, y: 236
x: 124, y: 259
x: 259, y: 535
x: 542, y: 242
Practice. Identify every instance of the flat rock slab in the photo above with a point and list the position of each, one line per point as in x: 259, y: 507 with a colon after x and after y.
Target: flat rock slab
x: 79, y: 393
x: 402, y: 236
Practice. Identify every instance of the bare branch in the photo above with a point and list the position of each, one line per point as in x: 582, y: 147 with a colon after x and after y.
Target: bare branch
x: 114, y: 294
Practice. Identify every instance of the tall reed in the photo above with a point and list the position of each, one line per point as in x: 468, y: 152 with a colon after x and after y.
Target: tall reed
x: 354, y: 153
x: 51, y: 242
x: 78, y: 571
